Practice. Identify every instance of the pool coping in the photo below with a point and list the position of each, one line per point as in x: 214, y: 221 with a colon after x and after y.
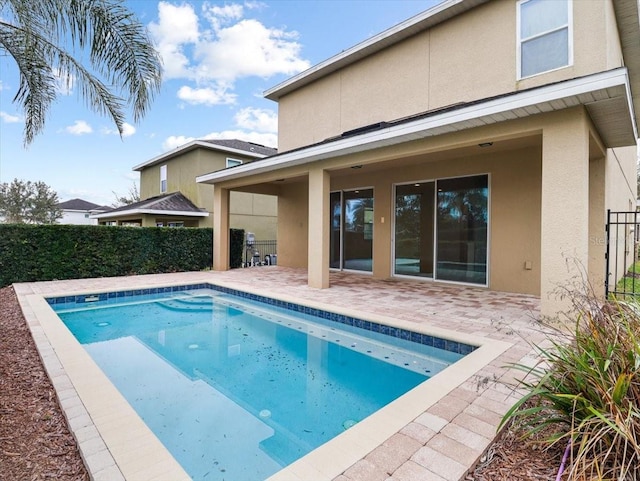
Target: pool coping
x: 116, y: 444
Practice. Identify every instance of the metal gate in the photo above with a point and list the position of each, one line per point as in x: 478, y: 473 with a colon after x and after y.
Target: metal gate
x: 622, y: 277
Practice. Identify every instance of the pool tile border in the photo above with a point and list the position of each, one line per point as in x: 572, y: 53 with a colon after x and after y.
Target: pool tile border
x: 456, y: 347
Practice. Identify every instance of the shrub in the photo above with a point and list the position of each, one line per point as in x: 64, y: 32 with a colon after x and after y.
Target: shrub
x: 589, y: 380
x: 45, y: 252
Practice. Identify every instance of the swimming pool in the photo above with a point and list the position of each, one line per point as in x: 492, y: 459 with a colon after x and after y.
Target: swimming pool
x: 265, y: 414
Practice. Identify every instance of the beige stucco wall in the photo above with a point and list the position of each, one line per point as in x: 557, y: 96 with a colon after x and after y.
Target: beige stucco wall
x: 461, y: 60
x: 620, y: 172
x: 293, y: 210
x: 256, y: 213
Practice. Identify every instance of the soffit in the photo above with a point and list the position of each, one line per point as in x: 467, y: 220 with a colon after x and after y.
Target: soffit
x: 628, y: 20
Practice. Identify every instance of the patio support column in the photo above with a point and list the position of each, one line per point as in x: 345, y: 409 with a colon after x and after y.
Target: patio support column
x: 565, y: 207
x: 220, y: 228
x: 318, y: 264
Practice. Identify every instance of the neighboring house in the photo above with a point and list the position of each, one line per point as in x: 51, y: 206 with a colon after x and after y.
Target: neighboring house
x: 172, y: 198
x: 79, y: 211
x: 479, y: 142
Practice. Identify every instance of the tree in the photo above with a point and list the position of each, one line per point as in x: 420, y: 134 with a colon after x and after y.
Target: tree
x: 133, y: 195
x: 42, y: 37
x: 28, y: 203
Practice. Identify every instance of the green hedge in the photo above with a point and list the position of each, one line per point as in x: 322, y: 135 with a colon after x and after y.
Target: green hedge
x: 46, y: 252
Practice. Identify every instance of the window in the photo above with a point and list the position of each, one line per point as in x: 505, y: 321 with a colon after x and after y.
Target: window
x: 233, y: 162
x: 175, y: 224
x: 163, y: 179
x: 544, y: 36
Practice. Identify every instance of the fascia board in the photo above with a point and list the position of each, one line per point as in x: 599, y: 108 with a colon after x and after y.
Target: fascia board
x: 190, y: 146
x: 124, y: 213
x: 420, y: 128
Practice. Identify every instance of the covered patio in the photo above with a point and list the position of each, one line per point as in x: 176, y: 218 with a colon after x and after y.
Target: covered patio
x: 457, y: 417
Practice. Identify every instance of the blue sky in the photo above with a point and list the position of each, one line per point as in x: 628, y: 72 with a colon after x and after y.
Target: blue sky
x: 219, y: 57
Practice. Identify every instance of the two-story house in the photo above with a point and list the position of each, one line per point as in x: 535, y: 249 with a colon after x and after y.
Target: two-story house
x: 172, y: 198
x: 479, y: 142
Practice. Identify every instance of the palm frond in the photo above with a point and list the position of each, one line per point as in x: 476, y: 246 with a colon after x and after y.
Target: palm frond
x: 43, y: 37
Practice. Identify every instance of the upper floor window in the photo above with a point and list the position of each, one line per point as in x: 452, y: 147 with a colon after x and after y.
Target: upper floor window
x: 233, y: 162
x: 544, y: 36
x: 163, y: 179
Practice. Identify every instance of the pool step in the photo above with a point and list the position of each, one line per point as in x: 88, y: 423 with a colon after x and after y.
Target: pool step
x: 285, y: 449
x: 188, y: 305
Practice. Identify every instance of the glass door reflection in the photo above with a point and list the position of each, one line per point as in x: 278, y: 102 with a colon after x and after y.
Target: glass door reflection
x: 351, y: 236
x: 413, y: 254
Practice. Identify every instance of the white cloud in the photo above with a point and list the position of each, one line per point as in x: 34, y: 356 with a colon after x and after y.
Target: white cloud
x: 248, y: 48
x: 262, y: 120
x: 80, y: 127
x: 3, y: 86
x: 8, y: 118
x: 262, y: 138
x: 64, y: 81
x: 127, y: 130
x: 177, y: 26
x: 175, y: 141
x: 219, y: 15
x: 220, y: 47
x: 217, y: 95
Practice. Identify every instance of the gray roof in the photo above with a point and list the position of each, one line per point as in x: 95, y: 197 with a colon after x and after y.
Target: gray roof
x: 242, y: 145
x: 77, y: 204
x: 174, y: 201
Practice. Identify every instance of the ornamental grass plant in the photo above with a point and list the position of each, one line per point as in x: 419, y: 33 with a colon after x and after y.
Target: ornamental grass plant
x: 585, y: 389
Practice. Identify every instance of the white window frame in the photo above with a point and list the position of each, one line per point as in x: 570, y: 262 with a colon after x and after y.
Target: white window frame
x: 519, y: 40
x: 232, y: 162
x: 163, y: 178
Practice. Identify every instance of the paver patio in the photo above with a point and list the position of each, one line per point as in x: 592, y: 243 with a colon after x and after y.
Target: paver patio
x: 442, y: 443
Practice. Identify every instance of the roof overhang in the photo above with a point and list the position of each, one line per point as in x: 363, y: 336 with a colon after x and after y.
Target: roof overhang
x: 127, y: 213
x: 628, y: 19
x: 416, y: 24
x: 195, y: 144
x: 606, y: 96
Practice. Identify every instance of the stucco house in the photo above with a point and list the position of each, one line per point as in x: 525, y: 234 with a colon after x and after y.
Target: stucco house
x: 79, y: 211
x: 172, y: 198
x: 479, y: 142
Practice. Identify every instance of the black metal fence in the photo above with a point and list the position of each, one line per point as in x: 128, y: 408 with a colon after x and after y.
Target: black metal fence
x: 621, y: 255
x: 260, y: 253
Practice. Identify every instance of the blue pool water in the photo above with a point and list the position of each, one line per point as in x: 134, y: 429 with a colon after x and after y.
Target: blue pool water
x: 237, y: 389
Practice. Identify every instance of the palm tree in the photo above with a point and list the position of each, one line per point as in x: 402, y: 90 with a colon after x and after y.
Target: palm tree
x: 44, y: 37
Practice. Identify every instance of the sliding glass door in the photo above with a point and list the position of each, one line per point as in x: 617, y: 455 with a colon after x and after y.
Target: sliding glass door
x: 351, y: 242
x: 462, y: 229
x: 441, y: 229
x: 414, y: 229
